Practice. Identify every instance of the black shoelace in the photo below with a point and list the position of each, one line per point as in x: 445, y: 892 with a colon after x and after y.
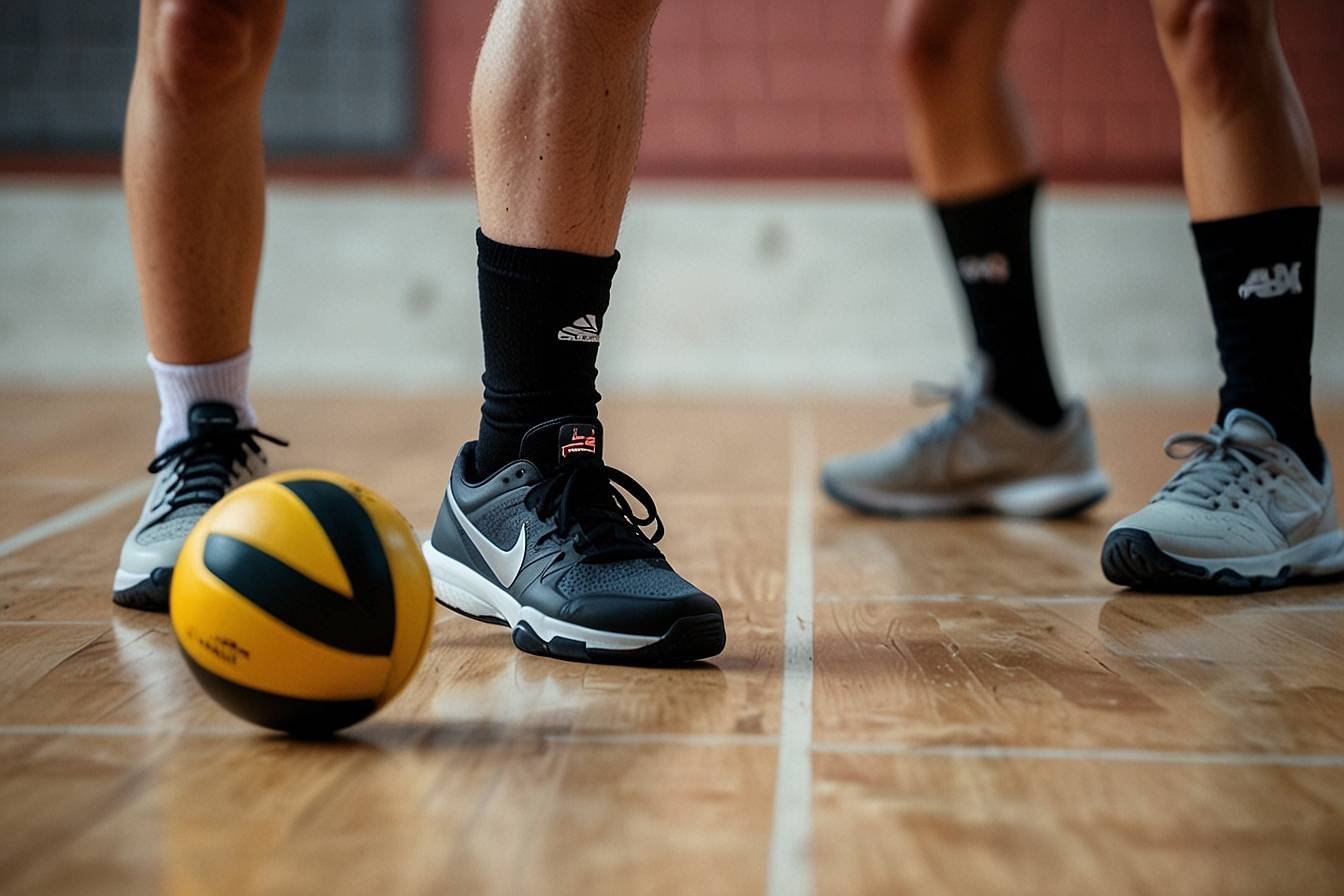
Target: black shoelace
x: 205, y: 464
x: 588, y: 497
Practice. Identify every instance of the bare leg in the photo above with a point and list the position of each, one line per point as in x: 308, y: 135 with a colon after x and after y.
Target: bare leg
x: 1246, y: 145
x: 971, y: 150
x: 556, y: 112
x: 965, y: 128
x: 194, y: 171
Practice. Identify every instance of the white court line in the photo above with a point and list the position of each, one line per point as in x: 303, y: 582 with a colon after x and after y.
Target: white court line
x: 130, y: 731
x: 1083, y: 754
x: 951, y: 751
x: 1325, y: 605
x: 1042, y: 600
x: 106, y: 623
x: 665, y: 739
x: 790, y: 864
x: 76, y: 516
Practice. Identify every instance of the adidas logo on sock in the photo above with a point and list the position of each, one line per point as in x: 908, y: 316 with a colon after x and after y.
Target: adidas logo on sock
x: 1263, y: 285
x: 585, y: 329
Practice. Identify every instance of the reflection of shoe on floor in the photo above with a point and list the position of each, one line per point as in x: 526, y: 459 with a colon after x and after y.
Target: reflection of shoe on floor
x: 978, y: 456
x: 215, y: 458
x: 549, y: 546
x: 1242, y: 513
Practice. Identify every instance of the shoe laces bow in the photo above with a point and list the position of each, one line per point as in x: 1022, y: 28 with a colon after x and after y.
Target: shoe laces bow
x: 205, y: 464
x: 1216, y: 461
x: 961, y: 402
x: 588, y: 498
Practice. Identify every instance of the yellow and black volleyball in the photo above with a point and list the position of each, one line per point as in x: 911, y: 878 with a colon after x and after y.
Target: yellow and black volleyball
x: 302, y: 602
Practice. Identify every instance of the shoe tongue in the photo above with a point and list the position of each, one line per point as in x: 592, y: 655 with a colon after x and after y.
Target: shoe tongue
x: 211, y: 417
x: 1249, y: 428
x: 566, y: 440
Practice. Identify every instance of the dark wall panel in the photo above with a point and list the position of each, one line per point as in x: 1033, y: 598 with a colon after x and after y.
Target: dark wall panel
x: 343, y: 82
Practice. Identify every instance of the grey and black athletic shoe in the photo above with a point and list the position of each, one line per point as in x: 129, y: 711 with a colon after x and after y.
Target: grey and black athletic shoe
x: 215, y: 458
x: 549, y: 546
x: 1241, y: 514
x: 979, y: 456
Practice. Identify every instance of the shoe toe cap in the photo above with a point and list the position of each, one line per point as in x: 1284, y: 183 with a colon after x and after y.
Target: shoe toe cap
x: 637, y: 615
x: 1186, y: 531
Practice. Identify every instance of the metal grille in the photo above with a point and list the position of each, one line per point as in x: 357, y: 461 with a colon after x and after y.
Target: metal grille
x: 342, y: 83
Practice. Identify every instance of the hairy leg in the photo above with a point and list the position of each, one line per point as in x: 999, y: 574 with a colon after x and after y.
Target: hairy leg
x: 556, y: 112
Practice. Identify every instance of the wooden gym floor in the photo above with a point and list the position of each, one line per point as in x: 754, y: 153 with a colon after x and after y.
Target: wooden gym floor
x: 946, y: 706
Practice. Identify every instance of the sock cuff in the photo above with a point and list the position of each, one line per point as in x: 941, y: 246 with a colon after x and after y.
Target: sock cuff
x: 204, y: 371
x: 182, y: 385
x: 542, y: 265
x: 1016, y: 196
x: 1259, y: 232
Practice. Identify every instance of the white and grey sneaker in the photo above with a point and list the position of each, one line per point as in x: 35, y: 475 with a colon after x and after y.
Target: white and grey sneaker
x: 216, y: 457
x: 1241, y: 514
x: 979, y: 456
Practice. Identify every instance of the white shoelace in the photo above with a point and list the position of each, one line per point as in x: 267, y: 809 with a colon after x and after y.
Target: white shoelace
x: 963, y: 405
x: 1217, y: 460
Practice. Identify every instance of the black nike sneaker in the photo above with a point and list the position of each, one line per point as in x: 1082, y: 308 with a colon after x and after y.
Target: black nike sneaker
x: 549, y: 546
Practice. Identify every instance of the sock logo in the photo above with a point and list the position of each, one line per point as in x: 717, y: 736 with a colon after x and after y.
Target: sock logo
x: 585, y: 329
x: 1262, y: 284
x: 991, y: 268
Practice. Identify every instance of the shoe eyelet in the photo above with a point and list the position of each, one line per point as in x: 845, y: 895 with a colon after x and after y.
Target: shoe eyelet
x: 519, y: 474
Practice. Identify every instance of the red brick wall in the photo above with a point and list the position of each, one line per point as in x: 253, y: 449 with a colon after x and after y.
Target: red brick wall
x: 802, y: 87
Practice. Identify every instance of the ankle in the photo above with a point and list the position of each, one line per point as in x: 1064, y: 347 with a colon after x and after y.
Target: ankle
x: 180, y: 386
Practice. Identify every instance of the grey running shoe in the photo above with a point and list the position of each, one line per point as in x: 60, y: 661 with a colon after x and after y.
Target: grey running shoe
x: 190, y: 477
x: 977, y: 457
x: 549, y: 546
x: 1241, y: 514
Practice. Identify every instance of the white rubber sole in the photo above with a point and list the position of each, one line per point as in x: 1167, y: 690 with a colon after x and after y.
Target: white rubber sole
x: 123, y: 579
x: 459, y: 587
x: 1038, y: 496
x: 1321, y: 555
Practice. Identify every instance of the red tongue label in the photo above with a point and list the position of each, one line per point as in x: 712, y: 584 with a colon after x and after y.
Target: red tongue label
x: 578, y: 440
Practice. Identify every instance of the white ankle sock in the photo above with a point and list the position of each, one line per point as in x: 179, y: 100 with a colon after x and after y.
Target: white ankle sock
x: 183, y: 385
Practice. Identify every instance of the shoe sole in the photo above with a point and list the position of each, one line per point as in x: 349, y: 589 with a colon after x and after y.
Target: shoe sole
x: 148, y: 593
x: 1130, y: 557
x: 465, y: 591
x: 1041, y: 497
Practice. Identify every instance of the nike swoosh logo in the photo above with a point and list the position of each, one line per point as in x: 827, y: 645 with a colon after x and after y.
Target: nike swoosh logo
x: 1289, y: 521
x: 504, y: 564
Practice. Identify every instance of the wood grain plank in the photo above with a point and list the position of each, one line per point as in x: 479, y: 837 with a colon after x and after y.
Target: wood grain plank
x: 496, y: 813
x: 903, y: 824
x: 1135, y: 672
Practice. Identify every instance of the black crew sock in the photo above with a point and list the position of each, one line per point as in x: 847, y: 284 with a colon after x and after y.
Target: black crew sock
x: 990, y: 240
x: 1260, y: 272
x: 541, y: 313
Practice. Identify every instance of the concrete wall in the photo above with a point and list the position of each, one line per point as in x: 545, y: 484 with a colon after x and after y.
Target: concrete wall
x: 775, y: 288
